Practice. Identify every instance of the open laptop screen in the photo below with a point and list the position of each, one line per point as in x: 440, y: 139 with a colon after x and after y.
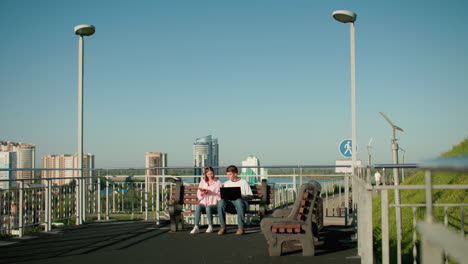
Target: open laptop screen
x: 230, y: 193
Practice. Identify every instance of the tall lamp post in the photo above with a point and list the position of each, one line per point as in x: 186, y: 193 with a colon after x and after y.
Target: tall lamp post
x: 345, y: 16
x: 81, y: 30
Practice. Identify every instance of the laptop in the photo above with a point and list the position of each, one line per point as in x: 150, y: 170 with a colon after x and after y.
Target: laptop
x: 230, y: 193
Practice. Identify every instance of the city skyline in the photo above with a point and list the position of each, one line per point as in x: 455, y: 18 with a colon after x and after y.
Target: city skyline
x: 265, y: 77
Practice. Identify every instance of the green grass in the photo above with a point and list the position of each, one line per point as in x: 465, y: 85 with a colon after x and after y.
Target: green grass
x: 418, y: 197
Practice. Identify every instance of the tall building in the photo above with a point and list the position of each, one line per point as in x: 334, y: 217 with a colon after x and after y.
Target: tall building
x: 253, y: 175
x: 205, y: 153
x: 155, y: 159
x: 63, y: 162
x: 7, y: 161
x: 25, y: 158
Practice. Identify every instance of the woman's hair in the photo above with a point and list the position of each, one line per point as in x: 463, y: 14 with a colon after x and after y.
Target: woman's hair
x: 207, y: 169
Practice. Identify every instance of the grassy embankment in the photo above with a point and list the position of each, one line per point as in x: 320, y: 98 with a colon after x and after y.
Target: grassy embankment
x: 418, y: 197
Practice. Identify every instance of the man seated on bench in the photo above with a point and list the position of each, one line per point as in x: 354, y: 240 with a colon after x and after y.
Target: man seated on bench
x: 234, y: 205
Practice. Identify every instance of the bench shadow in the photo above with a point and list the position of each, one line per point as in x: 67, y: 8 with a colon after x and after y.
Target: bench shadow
x: 334, y: 239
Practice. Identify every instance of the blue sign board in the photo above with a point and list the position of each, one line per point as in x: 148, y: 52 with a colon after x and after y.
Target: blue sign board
x: 346, y: 148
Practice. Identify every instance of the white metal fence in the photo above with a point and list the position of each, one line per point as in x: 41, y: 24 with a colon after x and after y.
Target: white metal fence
x: 27, y: 206
x: 401, y: 224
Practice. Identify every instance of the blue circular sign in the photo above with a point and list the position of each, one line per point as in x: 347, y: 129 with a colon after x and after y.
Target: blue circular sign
x: 346, y: 148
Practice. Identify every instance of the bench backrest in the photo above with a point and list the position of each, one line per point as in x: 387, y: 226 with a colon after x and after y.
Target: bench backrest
x: 187, y: 194
x: 305, y: 205
x: 306, y: 212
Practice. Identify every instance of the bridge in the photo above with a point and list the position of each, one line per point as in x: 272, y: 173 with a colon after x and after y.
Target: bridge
x: 113, y: 220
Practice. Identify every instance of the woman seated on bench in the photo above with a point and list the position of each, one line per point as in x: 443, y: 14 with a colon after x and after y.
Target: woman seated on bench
x: 209, y: 194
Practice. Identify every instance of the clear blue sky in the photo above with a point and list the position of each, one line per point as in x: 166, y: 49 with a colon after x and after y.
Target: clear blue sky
x: 269, y: 78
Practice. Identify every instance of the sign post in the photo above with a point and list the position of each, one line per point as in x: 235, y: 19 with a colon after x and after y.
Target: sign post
x: 346, y: 150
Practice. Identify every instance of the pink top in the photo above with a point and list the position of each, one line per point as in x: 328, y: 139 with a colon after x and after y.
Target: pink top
x: 212, y: 197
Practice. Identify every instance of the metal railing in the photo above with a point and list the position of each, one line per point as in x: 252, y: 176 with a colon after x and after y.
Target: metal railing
x: 399, y: 227
x: 439, y: 243
x: 25, y: 205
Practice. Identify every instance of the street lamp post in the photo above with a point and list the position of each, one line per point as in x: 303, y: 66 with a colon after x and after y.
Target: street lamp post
x: 81, y: 30
x: 345, y: 16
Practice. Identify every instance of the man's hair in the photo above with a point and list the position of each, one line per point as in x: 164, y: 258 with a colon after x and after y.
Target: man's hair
x: 233, y: 169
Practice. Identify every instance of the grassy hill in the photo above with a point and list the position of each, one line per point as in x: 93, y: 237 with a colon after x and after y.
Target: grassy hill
x: 418, y: 197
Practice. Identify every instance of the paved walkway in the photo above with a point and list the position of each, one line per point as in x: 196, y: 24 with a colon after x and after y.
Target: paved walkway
x: 144, y: 242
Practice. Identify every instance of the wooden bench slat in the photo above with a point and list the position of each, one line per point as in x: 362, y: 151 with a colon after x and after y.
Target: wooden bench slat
x: 187, y: 195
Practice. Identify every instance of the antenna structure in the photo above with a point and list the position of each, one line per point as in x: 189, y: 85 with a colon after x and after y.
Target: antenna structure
x: 396, y: 178
x: 394, y: 127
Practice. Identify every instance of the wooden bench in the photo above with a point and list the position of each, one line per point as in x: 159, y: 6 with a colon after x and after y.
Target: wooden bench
x: 184, y: 200
x: 301, y: 223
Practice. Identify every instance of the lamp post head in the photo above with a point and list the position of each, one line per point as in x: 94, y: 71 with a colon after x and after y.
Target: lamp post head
x: 84, y: 30
x: 344, y: 16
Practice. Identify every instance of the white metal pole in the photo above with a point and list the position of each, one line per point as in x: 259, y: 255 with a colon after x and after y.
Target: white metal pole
x: 46, y: 205
x: 353, y: 117
x: 98, y: 197
x: 49, y: 204
x: 396, y: 179
x: 353, y: 95
x: 107, y: 198
x: 20, y: 209
x: 146, y: 194
x: 80, y: 125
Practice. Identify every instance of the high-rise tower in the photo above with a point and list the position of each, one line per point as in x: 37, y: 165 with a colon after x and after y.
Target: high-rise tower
x: 155, y: 159
x: 7, y: 161
x: 64, y: 162
x: 253, y: 175
x: 25, y: 158
x: 205, y: 153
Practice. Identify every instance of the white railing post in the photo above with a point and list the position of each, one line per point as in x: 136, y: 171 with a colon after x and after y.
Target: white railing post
x: 300, y: 176
x: 431, y: 252
x: 146, y: 195
x: 415, y: 237
x: 385, y: 229
x: 294, y: 182
x: 98, y: 197
x: 428, y: 183
x: 364, y: 217
x: 49, y: 190
x: 49, y: 204
x: 20, y: 209
x: 107, y: 199
x: 346, y: 194
x: 368, y: 234
x: 462, y: 221
x: 46, y: 206
x: 78, y: 203
x: 157, y: 200
x: 84, y: 200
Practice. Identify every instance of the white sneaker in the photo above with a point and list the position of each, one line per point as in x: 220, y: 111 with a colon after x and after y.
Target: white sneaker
x: 210, y: 229
x: 195, y: 230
